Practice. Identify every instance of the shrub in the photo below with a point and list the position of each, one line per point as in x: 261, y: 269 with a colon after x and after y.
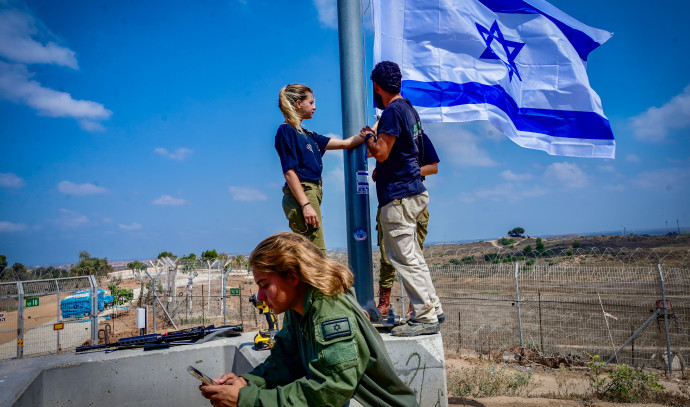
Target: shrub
x: 454, y: 261
x: 121, y: 296
x: 622, y: 383
x: 576, y: 244
x: 490, y: 381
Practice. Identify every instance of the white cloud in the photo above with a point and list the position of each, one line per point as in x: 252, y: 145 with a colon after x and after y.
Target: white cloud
x: 565, y: 175
x: 607, y: 168
x: 246, y: 194
x: 11, y: 180
x: 16, y: 43
x: 458, y: 146
x: 509, y: 175
x: 668, y: 178
x: 12, y: 227
x: 328, y: 12
x: 504, y: 192
x: 70, y: 188
x: 170, y: 201
x: 133, y: 226
x: 19, y: 48
x: 71, y: 219
x: 657, y: 123
x: 632, y: 158
x: 91, y: 126
x: 179, y: 154
x: 16, y: 85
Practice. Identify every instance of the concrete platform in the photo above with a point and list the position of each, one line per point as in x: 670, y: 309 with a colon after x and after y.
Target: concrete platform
x: 159, y: 378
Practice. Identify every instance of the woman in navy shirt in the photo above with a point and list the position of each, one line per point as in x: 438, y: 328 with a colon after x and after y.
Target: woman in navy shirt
x: 300, y: 152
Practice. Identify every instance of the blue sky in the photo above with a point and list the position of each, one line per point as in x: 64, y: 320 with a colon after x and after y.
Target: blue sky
x: 130, y: 128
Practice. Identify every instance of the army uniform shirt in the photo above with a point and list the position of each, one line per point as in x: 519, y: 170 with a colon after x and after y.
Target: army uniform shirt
x: 325, y: 357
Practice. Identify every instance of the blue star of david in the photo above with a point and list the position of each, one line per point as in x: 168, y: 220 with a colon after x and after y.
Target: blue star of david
x: 336, y: 327
x: 511, y: 48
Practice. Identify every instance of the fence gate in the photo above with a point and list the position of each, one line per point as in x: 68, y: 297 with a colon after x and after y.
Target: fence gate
x: 31, y: 321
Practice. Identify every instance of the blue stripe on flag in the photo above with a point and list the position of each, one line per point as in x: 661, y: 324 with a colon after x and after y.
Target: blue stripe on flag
x: 555, y: 123
x: 582, y: 42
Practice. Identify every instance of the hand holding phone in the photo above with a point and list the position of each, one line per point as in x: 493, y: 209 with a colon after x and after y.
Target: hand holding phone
x: 196, y: 373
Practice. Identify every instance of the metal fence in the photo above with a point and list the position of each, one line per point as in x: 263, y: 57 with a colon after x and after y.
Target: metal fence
x: 552, y: 304
x: 31, y: 323
x: 565, y: 313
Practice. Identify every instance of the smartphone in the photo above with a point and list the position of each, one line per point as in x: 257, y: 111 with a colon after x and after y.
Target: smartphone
x: 196, y: 373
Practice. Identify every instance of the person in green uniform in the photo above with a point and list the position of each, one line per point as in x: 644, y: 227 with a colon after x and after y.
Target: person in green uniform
x: 327, y: 351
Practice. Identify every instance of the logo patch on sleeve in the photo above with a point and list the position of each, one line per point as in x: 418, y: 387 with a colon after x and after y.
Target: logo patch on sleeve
x: 335, y: 328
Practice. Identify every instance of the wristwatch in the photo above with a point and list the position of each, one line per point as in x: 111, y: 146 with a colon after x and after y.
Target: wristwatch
x: 368, y: 136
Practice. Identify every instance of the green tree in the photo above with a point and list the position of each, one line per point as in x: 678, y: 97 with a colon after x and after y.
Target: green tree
x: 18, y: 272
x: 91, y: 265
x: 121, y: 296
x: 527, y: 250
x: 516, y: 232
x: 576, y: 244
x: 47, y: 272
x: 3, y: 263
x: 540, y: 245
x: 209, y: 255
x: 138, y: 268
x: 165, y: 254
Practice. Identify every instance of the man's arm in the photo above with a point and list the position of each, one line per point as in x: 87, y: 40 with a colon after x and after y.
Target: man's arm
x: 310, y: 217
x: 429, y: 169
x: 380, y: 147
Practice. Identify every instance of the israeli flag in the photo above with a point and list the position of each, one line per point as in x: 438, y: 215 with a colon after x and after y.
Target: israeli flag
x: 520, y: 64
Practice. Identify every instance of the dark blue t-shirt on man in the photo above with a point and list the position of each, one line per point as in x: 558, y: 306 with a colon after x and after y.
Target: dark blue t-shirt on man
x: 301, y: 152
x: 399, y: 176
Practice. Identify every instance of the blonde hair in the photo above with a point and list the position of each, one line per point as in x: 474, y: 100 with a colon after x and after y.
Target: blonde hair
x: 287, y: 98
x: 288, y: 252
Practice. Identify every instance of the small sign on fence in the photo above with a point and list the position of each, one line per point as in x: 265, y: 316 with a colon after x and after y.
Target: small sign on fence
x: 32, y: 302
x: 234, y: 292
x: 58, y: 326
x: 3, y: 318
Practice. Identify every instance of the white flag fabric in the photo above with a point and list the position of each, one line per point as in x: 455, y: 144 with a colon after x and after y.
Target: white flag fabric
x: 520, y: 64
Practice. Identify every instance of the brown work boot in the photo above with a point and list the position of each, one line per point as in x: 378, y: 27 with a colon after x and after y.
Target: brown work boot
x: 384, y: 301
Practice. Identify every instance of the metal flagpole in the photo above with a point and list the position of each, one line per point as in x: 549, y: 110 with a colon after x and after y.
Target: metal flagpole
x: 352, y: 84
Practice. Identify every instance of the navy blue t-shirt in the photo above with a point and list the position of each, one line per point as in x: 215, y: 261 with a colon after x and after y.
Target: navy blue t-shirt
x: 427, y: 152
x: 399, y: 176
x: 301, y: 152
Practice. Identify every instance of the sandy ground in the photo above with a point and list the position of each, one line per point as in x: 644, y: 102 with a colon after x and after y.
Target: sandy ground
x: 546, y: 387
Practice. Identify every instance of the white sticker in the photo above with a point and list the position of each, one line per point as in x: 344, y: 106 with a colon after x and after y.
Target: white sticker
x: 362, y: 183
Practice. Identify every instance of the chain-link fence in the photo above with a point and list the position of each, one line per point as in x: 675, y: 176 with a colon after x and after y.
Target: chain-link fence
x: 43, y: 317
x: 561, y: 305
x: 557, y: 304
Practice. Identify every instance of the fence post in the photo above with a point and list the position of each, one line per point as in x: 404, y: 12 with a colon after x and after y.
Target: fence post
x: 517, y: 300
x: 94, y: 310
x: 20, y: 321
x: 669, y: 355
x: 225, y: 301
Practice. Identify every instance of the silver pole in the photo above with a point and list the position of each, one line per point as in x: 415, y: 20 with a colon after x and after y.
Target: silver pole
x: 352, y: 87
x: 669, y: 355
x: 20, y: 320
x: 517, y: 299
x: 94, y: 310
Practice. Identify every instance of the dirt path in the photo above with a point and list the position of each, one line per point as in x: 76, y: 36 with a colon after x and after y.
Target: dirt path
x: 535, y: 402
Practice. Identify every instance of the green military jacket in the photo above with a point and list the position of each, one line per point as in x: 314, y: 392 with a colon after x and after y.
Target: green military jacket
x: 325, y: 357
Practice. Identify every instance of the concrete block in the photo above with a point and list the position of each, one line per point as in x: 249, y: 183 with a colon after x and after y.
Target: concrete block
x: 134, y: 378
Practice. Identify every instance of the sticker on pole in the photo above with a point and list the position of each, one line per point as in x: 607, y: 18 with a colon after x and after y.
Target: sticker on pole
x: 58, y: 326
x: 234, y: 292
x: 3, y: 317
x: 362, y: 183
x: 360, y: 234
x: 32, y: 302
